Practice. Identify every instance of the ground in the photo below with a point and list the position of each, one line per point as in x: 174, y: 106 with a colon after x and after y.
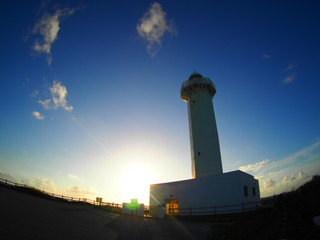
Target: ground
x: 24, y: 216
x: 39, y: 216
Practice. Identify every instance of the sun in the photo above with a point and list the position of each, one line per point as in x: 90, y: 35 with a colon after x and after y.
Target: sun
x: 135, y: 183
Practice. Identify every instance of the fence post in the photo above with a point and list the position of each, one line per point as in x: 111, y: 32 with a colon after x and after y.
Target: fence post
x: 215, y: 209
x: 190, y: 211
x: 243, y: 207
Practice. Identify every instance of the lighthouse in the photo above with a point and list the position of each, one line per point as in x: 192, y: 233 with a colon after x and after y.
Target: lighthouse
x: 198, y: 92
x: 209, y: 191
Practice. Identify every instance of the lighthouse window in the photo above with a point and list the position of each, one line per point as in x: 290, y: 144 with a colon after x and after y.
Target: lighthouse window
x: 193, y: 101
x: 198, y: 153
x: 253, y: 191
x: 245, y: 189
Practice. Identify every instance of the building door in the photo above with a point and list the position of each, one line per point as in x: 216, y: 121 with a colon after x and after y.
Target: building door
x: 172, y: 207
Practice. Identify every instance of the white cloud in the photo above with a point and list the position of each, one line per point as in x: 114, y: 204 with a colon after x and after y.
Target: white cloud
x: 48, y: 28
x: 8, y: 176
x: 58, y: 98
x: 290, y: 67
x: 59, y: 95
x: 35, y: 94
x: 269, y: 183
x: 45, y: 104
x: 265, y: 56
x: 259, y: 177
x: 152, y: 27
x: 72, y: 176
x: 288, y: 173
x: 38, y: 115
x: 289, y: 78
x: 43, y: 184
x: 300, y: 176
x: 76, y: 191
x: 254, y: 167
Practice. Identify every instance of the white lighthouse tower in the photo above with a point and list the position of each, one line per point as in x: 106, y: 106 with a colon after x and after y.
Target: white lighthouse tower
x: 198, y: 92
x: 209, y: 191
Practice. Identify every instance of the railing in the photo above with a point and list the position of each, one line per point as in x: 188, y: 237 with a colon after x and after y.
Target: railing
x: 63, y: 197
x: 190, y: 211
x: 214, y: 210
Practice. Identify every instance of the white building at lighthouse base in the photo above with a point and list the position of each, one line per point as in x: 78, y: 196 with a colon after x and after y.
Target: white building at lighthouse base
x: 214, y: 194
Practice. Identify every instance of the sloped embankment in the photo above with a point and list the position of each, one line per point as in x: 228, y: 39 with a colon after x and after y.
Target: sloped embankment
x: 289, y: 218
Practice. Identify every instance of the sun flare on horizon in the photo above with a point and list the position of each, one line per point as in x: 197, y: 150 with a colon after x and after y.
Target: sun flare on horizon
x: 135, y: 183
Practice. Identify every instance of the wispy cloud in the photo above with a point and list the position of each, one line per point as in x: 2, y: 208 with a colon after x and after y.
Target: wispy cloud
x: 152, y: 27
x: 59, y: 95
x: 46, y: 104
x: 58, y: 98
x: 254, y: 167
x: 72, y: 176
x: 259, y: 177
x: 269, y: 183
x: 47, y: 29
x: 8, y: 176
x: 287, y: 173
x: 291, y: 76
x: 76, y: 191
x: 38, y: 115
x: 294, y: 178
x: 265, y: 56
x: 290, y: 67
x: 43, y: 184
x: 35, y: 94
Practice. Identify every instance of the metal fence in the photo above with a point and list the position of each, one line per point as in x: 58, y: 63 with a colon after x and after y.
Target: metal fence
x: 214, y: 210
x: 62, y: 197
x: 190, y: 211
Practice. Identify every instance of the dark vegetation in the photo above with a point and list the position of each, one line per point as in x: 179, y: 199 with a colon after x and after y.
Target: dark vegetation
x: 288, y: 216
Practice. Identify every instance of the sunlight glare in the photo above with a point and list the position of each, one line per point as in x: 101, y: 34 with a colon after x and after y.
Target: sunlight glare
x: 134, y: 183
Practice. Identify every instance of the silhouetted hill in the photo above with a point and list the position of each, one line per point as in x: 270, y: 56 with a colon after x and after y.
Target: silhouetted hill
x: 289, y: 218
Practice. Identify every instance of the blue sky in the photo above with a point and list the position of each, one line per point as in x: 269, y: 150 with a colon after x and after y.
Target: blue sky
x: 90, y: 101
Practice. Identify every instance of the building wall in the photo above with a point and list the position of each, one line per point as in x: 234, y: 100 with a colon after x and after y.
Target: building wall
x: 204, y: 141
x: 215, y: 190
